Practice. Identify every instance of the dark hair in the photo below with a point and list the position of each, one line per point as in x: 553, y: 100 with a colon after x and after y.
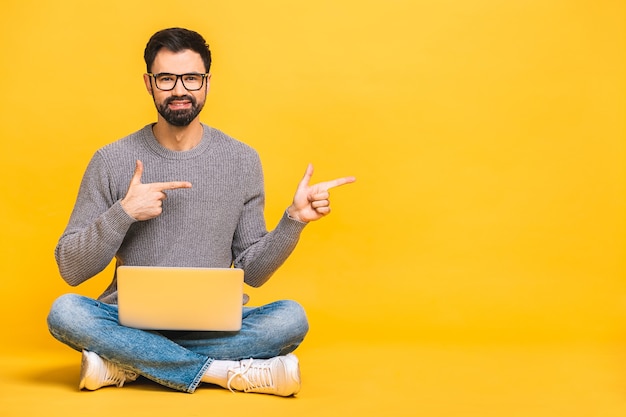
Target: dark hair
x: 176, y: 40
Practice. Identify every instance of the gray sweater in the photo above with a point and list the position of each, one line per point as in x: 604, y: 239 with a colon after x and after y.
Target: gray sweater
x: 216, y: 223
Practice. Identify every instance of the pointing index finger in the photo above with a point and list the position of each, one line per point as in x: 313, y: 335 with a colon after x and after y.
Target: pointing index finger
x: 172, y: 185
x: 336, y: 183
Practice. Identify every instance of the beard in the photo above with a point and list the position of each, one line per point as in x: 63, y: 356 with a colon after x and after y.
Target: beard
x: 183, y: 117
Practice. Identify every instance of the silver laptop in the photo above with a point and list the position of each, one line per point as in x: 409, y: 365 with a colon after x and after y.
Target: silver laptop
x: 166, y: 298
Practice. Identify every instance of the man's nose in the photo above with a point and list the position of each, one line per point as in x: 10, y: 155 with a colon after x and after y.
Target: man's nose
x: 179, y: 88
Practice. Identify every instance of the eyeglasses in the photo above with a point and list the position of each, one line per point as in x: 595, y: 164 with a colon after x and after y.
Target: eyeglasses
x: 166, y: 82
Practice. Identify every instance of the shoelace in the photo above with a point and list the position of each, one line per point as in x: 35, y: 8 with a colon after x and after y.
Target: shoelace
x: 115, y: 374
x: 257, y: 377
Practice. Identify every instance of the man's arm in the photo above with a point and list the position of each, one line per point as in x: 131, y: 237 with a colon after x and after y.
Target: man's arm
x: 311, y: 202
x: 96, y: 227
x: 99, y: 222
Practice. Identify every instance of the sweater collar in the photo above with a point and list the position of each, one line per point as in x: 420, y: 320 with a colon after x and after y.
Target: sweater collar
x: 153, y: 144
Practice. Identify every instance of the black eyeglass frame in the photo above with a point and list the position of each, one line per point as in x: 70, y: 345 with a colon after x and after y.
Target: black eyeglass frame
x: 178, y: 76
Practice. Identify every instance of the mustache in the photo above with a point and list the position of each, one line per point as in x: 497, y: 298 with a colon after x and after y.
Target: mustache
x: 190, y: 98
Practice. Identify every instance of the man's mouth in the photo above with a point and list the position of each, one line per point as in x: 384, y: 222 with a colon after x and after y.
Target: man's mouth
x: 180, y: 103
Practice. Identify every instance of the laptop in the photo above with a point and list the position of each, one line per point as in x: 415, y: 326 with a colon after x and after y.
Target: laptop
x: 168, y: 298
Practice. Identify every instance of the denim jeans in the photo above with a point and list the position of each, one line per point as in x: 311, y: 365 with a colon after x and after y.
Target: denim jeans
x: 176, y: 359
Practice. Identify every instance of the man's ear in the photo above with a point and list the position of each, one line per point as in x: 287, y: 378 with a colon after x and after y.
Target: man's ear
x: 148, y: 81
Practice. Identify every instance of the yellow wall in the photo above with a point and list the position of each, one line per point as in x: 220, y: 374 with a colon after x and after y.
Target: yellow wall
x: 487, y: 138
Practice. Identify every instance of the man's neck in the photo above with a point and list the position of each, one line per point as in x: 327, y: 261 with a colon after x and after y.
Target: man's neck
x: 178, y: 138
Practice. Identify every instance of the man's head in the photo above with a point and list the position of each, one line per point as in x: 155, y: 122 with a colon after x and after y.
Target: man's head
x: 178, y: 63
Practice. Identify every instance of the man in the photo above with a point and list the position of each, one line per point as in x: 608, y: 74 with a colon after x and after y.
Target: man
x: 181, y: 193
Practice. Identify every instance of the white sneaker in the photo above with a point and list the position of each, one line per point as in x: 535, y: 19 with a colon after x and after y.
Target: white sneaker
x: 96, y: 372
x: 278, y: 376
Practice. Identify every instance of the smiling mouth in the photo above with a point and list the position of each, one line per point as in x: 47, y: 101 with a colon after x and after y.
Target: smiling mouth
x: 178, y: 104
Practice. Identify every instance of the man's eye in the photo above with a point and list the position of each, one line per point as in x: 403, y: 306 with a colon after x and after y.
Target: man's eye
x: 192, y: 78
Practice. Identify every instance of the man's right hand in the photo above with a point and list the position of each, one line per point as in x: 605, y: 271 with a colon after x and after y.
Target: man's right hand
x: 145, y: 201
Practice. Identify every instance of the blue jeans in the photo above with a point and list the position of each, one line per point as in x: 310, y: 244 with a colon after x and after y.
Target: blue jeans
x: 176, y: 359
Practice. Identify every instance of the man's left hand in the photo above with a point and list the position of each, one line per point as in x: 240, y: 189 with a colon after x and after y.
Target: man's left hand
x: 311, y: 202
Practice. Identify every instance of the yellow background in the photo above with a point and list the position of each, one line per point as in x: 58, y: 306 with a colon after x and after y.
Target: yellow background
x: 487, y: 138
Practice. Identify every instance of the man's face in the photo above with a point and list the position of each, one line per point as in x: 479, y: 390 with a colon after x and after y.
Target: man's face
x: 179, y: 106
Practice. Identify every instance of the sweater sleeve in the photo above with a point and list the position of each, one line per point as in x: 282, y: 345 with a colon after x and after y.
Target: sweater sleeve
x: 96, y: 228
x: 262, y: 259
x: 258, y: 252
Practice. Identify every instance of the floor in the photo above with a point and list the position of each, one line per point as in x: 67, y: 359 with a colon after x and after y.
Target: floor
x: 392, y: 379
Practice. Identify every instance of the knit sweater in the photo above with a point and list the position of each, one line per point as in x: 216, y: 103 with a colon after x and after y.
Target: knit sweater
x: 219, y: 222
